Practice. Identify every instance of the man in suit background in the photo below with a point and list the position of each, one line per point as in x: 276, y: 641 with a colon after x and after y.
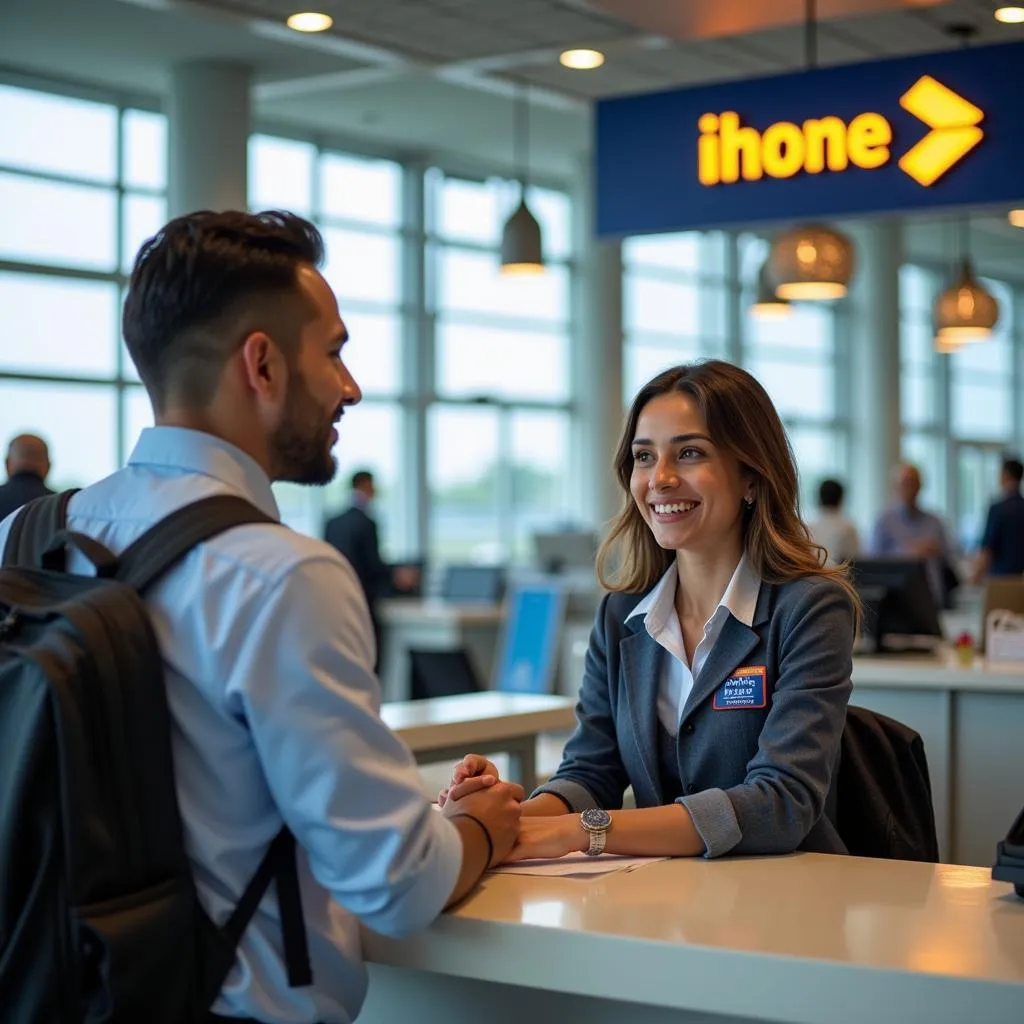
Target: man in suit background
x: 354, y: 534
x: 28, y: 465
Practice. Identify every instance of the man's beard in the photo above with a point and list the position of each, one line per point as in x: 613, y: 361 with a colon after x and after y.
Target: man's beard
x: 301, y: 445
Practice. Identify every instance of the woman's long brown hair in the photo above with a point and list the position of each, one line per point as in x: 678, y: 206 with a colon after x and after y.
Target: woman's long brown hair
x: 742, y: 420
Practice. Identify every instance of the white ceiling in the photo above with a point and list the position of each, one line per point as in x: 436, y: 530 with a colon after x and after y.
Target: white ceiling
x: 436, y: 77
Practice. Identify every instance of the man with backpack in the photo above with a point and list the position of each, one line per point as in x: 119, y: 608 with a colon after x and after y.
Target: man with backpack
x: 157, y: 758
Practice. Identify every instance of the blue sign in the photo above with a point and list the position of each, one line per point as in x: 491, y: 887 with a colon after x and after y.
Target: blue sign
x: 531, y: 640
x: 938, y: 130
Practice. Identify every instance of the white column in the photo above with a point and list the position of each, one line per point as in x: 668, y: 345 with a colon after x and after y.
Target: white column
x: 875, y: 365
x: 596, y: 361
x: 208, y: 137
x: 418, y: 340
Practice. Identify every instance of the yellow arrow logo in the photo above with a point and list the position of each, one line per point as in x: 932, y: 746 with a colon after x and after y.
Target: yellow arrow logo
x: 954, y: 124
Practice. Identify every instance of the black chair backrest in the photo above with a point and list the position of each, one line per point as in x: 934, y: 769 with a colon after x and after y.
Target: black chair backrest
x: 884, y: 792
x: 442, y: 673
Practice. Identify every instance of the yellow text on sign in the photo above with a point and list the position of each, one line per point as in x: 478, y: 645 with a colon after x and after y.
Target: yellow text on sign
x: 729, y: 151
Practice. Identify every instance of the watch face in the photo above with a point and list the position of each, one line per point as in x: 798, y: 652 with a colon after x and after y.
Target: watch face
x: 596, y: 818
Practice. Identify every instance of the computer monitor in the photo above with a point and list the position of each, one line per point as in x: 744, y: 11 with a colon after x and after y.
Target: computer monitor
x: 473, y: 584
x: 898, y: 602
x: 565, y: 549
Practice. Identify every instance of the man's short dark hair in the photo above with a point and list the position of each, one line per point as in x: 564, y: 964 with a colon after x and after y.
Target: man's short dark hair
x: 1014, y: 469
x: 360, y: 477
x: 830, y: 494
x: 192, y: 279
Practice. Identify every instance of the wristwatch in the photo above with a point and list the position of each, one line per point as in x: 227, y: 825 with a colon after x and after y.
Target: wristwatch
x: 597, y: 823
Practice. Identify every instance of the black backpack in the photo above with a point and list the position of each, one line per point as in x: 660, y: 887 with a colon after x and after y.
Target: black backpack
x: 99, y: 919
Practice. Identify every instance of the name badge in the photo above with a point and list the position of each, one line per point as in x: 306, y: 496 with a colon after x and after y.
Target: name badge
x: 745, y: 688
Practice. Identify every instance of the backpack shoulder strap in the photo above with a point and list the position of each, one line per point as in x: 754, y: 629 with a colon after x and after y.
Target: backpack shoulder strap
x: 34, y: 527
x: 161, y: 547
x: 278, y: 865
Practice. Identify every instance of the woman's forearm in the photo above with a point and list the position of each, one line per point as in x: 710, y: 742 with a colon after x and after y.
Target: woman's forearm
x: 654, y: 832
x: 547, y: 805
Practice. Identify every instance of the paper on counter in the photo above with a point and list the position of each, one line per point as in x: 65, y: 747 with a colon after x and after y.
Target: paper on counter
x: 578, y: 864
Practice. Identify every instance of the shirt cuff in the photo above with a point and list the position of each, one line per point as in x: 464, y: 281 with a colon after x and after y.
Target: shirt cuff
x: 714, y: 818
x: 579, y: 797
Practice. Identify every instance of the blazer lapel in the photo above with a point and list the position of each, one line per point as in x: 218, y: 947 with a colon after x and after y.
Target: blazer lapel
x: 734, y: 645
x: 641, y: 656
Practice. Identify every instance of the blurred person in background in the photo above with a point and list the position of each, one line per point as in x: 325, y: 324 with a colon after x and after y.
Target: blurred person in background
x: 832, y: 530
x: 1002, y: 545
x: 905, y: 529
x: 354, y: 533
x: 28, y: 466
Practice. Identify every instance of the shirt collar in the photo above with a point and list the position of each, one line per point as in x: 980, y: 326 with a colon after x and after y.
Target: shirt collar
x: 739, y: 599
x: 199, y: 452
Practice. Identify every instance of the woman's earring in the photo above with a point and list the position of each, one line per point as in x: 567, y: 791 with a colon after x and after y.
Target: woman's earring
x: 749, y: 502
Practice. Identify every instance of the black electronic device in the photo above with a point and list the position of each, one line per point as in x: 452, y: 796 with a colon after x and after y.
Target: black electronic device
x: 414, y: 592
x: 899, y: 606
x: 1009, y: 866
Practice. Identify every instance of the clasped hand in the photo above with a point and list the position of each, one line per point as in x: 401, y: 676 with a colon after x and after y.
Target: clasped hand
x: 538, y: 837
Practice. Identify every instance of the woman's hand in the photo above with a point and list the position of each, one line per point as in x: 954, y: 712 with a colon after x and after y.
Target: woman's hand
x: 467, y: 777
x: 549, y: 837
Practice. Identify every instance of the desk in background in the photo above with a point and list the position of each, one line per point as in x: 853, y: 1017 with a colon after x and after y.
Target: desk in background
x: 805, y: 939
x: 447, y: 728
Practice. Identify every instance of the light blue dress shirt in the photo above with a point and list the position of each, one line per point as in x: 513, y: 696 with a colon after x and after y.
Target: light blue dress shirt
x: 268, y: 650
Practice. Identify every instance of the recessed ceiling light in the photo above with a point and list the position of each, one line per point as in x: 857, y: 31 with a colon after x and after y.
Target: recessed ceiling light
x: 310, y: 21
x: 1016, y: 218
x: 1010, y: 15
x: 581, y: 60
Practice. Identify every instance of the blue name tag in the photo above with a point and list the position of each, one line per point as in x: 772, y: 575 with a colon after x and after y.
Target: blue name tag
x: 745, y: 688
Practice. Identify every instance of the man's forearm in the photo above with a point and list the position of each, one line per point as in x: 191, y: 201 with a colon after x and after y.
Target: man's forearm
x: 476, y: 852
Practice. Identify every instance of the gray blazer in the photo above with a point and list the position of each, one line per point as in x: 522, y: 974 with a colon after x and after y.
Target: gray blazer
x: 756, y: 780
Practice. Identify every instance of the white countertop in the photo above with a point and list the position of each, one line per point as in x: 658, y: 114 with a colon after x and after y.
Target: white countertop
x: 806, y: 938
x: 941, y: 671
x: 473, y: 718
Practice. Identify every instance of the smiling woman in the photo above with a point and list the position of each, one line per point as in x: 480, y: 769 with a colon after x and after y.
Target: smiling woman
x: 718, y: 670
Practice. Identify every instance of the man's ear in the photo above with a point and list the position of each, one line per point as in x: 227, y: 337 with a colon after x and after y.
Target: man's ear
x: 263, y: 366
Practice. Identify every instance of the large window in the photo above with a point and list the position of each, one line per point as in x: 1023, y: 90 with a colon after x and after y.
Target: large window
x: 73, y: 218
x: 981, y: 414
x: 921, y: 385
x: 499, y: 428
x: 357, y: 204
x: 675, y: 299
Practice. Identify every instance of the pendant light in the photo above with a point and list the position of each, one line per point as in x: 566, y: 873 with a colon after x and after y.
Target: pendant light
x: 521, y: 248
x: 966, y: 311
x: 812, y: 262
x: 768, y: 305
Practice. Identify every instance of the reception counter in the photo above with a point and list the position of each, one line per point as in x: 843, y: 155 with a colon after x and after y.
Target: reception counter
x: 971, y: 719
x: 806, y: 939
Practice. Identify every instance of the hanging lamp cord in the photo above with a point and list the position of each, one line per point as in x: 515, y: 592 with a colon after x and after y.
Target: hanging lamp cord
x: 521, y: 137
x: 811, y: 34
